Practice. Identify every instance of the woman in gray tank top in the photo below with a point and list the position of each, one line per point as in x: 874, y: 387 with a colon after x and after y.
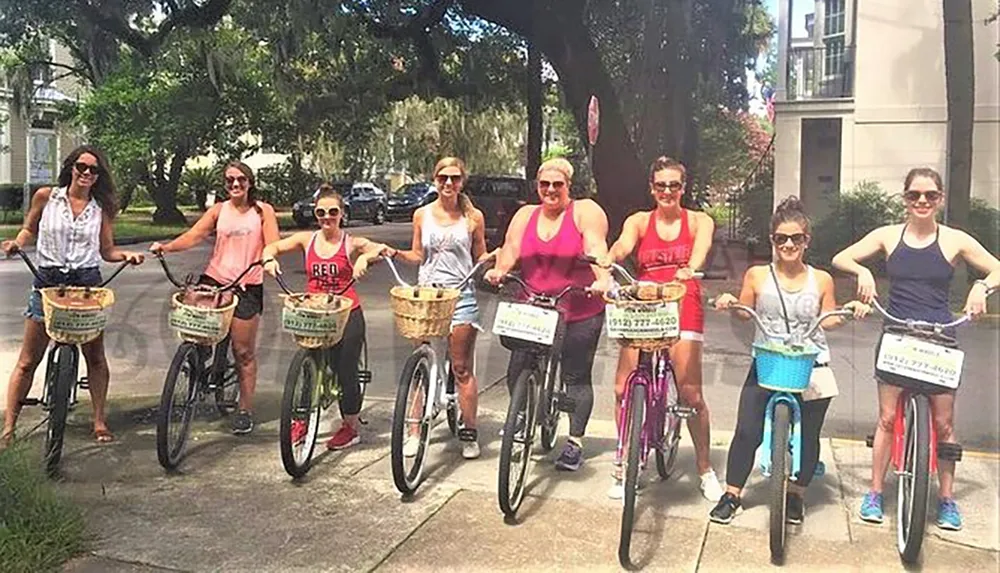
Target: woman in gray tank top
x: 449, y: 235
x: 786, y: 290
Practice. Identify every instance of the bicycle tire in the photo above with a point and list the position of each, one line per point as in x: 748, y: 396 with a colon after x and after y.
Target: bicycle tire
x: 522, y: 404
x: 453, y: 411
x: 780, y: 427
x: 171, y: 452
x: 550, y: 423
x: 914, y: 483
x: 666, y: 456
x: 227, y: 382
x: 636, y: 417
x: 363, y: 371
x: 415, y: 369
x: 60, y: 385
x: 305, y: 369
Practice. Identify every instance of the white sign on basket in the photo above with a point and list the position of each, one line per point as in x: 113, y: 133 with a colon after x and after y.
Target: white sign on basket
x: 306, y: 323
x: 650, y: 322
x: 193, y: 323
x: 920, y: 360
x: 526, y: 322
x: 77, y: 321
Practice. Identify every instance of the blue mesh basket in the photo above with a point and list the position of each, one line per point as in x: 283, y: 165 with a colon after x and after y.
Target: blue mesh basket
x: 782, y: 368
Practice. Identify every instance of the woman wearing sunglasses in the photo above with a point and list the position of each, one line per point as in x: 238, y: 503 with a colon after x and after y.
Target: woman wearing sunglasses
x: 788, y: 295
x: 242, y: 226
x: 449, y: 237
x: 72, y: 229
x: 328, y: 255
x: 920, y: 256
x: 548, y: 241
x: 669, y: 243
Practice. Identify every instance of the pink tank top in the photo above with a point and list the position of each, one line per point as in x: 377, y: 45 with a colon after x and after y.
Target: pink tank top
x: 330, y: 274
x: 239, y: 241
x: 550, y: 266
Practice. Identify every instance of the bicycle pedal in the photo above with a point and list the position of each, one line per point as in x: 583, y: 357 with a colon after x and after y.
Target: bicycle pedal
x: 949, y: 452
x: 84, y: 383
x: 31, y: 402
x: 564, y: 403
x: 364, y: 376
x: 683, y: 411
x: 362, y: 421
x: 870, y: 440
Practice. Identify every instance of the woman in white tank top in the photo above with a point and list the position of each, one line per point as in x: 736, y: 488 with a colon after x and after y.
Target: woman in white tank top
x: 71, y: 227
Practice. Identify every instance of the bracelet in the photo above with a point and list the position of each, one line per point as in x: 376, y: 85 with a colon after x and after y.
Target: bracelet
x: 983, y: 282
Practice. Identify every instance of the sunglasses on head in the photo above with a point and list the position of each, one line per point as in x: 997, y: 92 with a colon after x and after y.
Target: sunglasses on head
x: 557, y: 185
x: 797, y: 239
x: 442, y: 179
x: 662, y: 186
x: 931, y: 196
x: 323, y: 213
x: 242, y: 180
x: 84, y: 168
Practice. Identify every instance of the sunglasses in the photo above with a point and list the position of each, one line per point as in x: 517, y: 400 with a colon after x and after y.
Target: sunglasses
x: 662, y: 186
x: 797, y: 239
x: 242, y: 180
x: 557, y: 185
x: 931, y: 196
x: 442, y: 179
x: 322, y: 213
x: 84, y: 168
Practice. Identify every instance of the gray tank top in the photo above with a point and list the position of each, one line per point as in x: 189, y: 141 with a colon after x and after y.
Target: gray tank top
x: 803, y: 307
x: 447, y: 252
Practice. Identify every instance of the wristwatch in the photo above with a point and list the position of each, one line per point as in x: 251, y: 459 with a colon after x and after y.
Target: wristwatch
x: 982, y: 282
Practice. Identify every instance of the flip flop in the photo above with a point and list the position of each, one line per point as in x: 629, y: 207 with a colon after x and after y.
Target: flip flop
x: 103, y: 436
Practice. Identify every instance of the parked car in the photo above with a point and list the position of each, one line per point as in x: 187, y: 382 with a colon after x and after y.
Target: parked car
x: 362, y: 201
x: 498, y: 197
x: 408, y: 198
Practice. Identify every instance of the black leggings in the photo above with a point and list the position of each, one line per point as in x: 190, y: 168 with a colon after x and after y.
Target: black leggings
x: 750, y: 432
x: 345, y: 356
x: 575, y: 369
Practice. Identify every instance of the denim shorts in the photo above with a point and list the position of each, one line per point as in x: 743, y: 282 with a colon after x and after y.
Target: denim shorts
x: 466, y: 311
x: 51, y: 276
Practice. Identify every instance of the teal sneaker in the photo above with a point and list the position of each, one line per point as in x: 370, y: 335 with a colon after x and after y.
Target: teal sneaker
x: 871, y: 507
x: 948, y: 515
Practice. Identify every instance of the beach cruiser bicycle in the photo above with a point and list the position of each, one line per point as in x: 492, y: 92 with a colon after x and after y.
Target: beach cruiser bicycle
x: 921, y: 359
x: 317, y: 322
x: 74, y: 316
x: 203, y: 364
x: 784, y: 366
x: 426, y: 385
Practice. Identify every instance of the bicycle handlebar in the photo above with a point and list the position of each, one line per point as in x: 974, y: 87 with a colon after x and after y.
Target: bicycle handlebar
x: 538, y: 296
x: 189, y: 279
x: 280, y: 279
x: 937, y: 327
x: 34, y: 269
x: 460, y: 286
x: 792, y: 338
x: 623, y: 272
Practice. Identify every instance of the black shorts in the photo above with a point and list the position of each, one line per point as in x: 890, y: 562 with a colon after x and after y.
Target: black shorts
x: 251, y: 298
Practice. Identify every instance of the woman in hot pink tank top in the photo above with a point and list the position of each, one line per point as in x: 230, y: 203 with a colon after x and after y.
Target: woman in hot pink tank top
x: 548, y: 241
x: 242, y: 226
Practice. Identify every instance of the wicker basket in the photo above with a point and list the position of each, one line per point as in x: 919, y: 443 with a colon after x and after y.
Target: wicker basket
x: 645, y: 295
x: 423, y: 312
x: 76, y: 315
x: 315, y: 320
x: 201, y: 325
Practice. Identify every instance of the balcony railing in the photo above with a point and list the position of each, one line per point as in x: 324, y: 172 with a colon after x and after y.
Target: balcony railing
x: 825, y: 72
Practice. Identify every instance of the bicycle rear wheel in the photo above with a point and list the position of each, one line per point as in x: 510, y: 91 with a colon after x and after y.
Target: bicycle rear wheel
x: 408, y: 413
x: 780, y: 427
x: 60, y: 378
x: 635, y: 419
x: 515, y: 447
x: 453, y: 411
x: 177, y: 405
x: 226, y: 380
x: 550, y: 408
x: 666, y: 456
x: 301, y: 410
x: 914, y: 481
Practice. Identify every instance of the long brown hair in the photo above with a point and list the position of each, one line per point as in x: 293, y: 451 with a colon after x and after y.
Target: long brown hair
x: 464, y: 203
x: 103, y: 190
x: 923, y: 172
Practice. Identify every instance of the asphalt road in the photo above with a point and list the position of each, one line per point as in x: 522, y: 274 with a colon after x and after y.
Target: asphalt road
x: 141, y: 345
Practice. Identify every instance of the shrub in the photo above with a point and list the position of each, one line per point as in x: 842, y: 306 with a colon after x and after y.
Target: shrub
x: 984, y: 224
x: 854, y: 215
x: 283, y: 184
x: 196, y: 184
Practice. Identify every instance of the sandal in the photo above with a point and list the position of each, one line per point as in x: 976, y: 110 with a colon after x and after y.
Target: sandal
x: 104, y: 436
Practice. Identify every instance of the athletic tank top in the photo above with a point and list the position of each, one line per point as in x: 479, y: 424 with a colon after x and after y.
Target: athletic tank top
x: 803, y: 307
x: 550, y: 266
x: 239, y: 241
x: 659, y: 260
x: 330, y: 274
x: 920, y: 280
x: 447, y: 252
x: 65, y: 241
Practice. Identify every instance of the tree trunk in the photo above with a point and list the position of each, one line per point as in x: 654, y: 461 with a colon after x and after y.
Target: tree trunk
x: 163, y: 185
x: 534, y: 148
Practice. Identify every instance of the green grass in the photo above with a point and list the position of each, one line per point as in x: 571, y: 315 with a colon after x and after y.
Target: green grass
x: 39, y: 529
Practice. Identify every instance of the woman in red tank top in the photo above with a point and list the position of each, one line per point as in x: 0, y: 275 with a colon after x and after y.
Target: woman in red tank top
x: 670, y: 243
x: 547, y: 241
x: 328, y: 254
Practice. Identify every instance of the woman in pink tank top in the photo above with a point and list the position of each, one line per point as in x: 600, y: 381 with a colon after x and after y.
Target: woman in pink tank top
x: 548, y: 241
x: 328, y: 255
x: 242, y: 226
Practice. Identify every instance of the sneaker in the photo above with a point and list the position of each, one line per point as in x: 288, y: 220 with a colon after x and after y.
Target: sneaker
x: 299, y: 430
x: 729, y: 506
x: 344, y: 438
x: 571, y: 457
x: 242, y: 423
x: 710, y: 487
x: 411, y: 446
x: 871, y: 507
x: 948, y: 515
x: 795, y: 510
x: 470, y: 445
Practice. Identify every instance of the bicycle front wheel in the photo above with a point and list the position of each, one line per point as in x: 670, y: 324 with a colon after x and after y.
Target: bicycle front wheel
x: 666, y: 455
x: 515, y: 447
x: 59, y: 382
x: 301, y: 411
x: 227, y: 382
x: 177, y: 405
x: 779, y: 478
x: 550, y: 408
x: 914, y: 481
x: 635, y: 418
x: 410, y: 426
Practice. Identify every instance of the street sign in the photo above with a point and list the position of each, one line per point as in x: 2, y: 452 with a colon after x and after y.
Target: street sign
x: 593, y: 120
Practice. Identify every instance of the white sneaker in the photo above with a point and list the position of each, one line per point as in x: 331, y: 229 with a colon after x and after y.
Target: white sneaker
x: 617, y: 489
x: 411, y: 446
x: 710, y: 487
x: 470, y: 450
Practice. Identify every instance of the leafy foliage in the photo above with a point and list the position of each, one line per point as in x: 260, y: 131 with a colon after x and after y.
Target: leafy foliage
x: 283, y: 184
x: 854, y: 215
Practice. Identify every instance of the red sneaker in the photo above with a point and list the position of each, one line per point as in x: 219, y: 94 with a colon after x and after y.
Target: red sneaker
x: 299, y: 431
x: 345, y: 437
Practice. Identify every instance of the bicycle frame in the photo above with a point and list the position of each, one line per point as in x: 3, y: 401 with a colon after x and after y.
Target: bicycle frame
x: 651, y: 373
